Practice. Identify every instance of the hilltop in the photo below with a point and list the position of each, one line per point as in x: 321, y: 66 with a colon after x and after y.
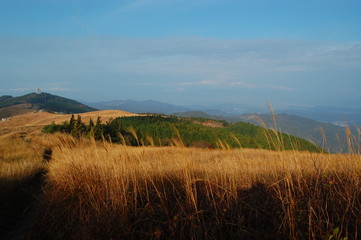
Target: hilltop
x: 10, y: 106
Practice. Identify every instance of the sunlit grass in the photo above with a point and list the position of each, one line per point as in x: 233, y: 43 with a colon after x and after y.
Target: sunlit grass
x: 19, y: 157
x: 181, y: 193
x: 99, y: 190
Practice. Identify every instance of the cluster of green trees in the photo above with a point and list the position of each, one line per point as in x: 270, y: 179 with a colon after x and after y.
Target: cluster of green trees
x: 164, y: 130
x: 77, y: 128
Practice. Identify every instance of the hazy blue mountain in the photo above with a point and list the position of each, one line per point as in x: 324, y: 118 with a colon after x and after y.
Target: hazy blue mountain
x: 327, y: 114
x: 227, y: 109
x: 330, y: 114
x: 200, y: 114
x: 148, y: 106
x: 196, y: 114
x: 151, y: 106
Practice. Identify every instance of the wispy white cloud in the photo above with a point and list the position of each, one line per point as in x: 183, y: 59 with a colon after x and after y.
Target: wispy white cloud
x: 259, y: 86
x: 59, y: 89
x: 184, y: 54
x: 21, y: 89
x: 140, y: 4
x: 235, y: 84
x: 46, y: 89
x: 184, y: 62
x: 280, y: 88
x: 145, y: 3
x: 203, y: 82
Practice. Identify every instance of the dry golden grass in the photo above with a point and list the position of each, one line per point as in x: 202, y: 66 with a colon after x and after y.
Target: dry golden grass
x: 34, y: 121
x: 22, y: 143
x: 110, y: 191
x: 20, y: 158
x: 29, y: 125
x: 15, y: 110
x: 99, y: 190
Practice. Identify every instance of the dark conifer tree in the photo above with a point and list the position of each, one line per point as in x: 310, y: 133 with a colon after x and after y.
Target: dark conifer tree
x: 98, y: 129
x: 72, y: 120
x: 71, y: 124
x: 79, y: 128
x: 90, y: 126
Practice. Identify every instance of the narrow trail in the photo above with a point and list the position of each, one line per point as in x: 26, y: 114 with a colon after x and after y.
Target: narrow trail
x: 20, y: 204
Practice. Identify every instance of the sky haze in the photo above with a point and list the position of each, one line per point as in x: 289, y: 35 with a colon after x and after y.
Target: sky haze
x: 183, y: 52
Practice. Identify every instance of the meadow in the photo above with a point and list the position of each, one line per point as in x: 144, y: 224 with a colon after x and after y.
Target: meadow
x: 79, y: 188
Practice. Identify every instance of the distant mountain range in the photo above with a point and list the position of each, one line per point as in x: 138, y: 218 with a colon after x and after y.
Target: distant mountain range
x: 330, y: 114
x: 149, y: 106
x: 10, y: 106
x: 327, y: 114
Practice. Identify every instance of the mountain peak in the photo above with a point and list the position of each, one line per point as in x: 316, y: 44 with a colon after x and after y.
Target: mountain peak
x: 40, y: 100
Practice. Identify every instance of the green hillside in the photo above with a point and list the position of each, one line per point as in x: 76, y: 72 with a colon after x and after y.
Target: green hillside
x: 165, y: 130
x: 4, y: 98
x: 326, y: 135
x: 46, y: 102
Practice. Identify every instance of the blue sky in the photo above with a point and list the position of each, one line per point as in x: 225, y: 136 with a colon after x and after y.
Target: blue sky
x: 182, y: 52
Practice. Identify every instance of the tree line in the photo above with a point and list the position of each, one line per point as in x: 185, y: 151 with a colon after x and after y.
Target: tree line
x: 159, y: 130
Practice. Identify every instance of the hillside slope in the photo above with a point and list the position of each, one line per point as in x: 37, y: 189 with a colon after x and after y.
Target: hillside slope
x: 325, y: 135
x: 159, y: 130
x: 10, y: 106
x: 17, y: 109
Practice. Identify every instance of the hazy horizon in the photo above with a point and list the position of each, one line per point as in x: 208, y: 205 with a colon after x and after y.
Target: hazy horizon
x: 305, y: 53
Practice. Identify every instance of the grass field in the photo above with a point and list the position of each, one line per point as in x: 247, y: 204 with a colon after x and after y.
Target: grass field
x: 82, y: 189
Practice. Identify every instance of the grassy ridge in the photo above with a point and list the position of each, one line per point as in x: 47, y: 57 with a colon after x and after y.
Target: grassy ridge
x: 165, y: 131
